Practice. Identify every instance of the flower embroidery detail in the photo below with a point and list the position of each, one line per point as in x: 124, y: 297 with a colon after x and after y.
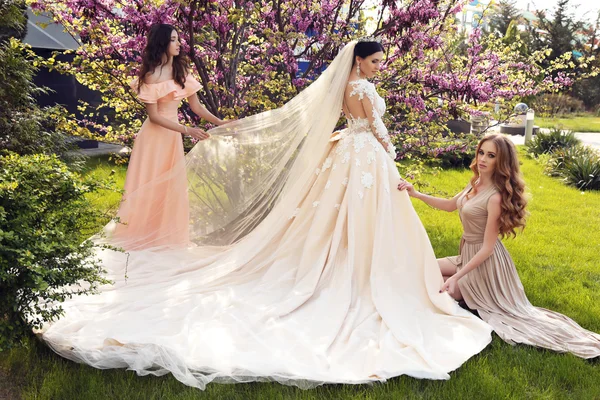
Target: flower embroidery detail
x: 317, y: 171
x: 370, y: 157
x: 343, y: 145
x: 327, y: 163
x: 315, y: 203
x: 337, y: 207
x: 361, y: 88
x: 328, y: 184
x: 361, y: 194
x: 345, y: 181
x: 346, y: 158
x: 367, y: 180
x: 359, y: 142
x: 357, y: 162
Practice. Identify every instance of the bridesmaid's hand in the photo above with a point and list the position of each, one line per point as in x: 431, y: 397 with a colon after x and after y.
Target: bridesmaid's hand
x: 450, y: 285
x: 198, y: 133
x: 410, y: 189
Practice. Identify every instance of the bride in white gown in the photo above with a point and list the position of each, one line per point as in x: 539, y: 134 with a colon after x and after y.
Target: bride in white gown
x: 307, y: 267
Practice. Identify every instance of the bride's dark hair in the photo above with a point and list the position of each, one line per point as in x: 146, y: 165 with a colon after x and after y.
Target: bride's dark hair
x: 365, y: 49
x: 158, y: 42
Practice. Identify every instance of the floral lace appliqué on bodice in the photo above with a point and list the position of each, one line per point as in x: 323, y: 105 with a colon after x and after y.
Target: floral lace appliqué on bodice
x: 362, y: 88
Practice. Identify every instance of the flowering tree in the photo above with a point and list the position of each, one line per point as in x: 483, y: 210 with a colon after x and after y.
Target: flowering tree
x: 435, y: 73
x: 246, y: 54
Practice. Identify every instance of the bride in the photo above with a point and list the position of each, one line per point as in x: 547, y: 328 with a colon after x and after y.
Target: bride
x: 307, y: 268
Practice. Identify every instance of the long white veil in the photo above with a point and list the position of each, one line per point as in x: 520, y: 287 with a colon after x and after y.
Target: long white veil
x: 237, y: 176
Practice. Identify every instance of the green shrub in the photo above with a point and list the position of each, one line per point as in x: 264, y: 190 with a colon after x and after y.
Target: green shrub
x: 578, y: 166
x: 458, y: 154
x: 559, y: 156
x: 548, y: 142
x: 551, y: 105
x: 581, y: 170
x: 43, y: 210
x: 452, y: 151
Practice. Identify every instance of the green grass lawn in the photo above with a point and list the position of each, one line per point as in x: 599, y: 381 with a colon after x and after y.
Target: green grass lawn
x: 557, y: 257
x: 101, y: 169
x: 576, y: 124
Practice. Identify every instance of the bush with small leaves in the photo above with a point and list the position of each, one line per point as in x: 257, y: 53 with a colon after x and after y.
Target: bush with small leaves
x: 43, y: 212
x: 25, y: 127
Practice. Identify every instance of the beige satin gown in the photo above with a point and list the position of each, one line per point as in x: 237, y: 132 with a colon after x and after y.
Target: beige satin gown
x: 496, y: 292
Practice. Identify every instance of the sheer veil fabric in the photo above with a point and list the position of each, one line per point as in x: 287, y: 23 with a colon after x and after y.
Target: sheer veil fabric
x: 304, y: 269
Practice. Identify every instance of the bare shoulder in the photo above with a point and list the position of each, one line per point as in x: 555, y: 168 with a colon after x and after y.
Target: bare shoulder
x: 494, y: 202
x: 157, y: 76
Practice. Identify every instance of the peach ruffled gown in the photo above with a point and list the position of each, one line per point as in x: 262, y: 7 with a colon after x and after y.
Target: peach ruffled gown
x: 154, y: 211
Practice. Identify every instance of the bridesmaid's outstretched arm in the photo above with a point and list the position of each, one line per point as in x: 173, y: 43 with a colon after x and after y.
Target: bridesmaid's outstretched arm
x: 202, y: 112
x: 436, y: 202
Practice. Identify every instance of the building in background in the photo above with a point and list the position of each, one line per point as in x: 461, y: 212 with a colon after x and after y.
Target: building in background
x: 477, y: 12
x: 472, y: 16
x: 47, y: 38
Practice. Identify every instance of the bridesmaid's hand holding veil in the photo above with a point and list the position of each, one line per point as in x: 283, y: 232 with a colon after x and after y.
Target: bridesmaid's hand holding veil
x: 197, y: 133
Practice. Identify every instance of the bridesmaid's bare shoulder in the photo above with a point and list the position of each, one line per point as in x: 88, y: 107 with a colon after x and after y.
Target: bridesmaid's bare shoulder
x: 495, y: 202
x: 157, y: 76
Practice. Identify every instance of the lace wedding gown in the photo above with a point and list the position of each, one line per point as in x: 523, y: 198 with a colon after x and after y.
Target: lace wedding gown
x: 336, y: 282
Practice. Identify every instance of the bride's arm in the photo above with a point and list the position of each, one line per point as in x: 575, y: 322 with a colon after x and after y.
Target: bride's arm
x: 202, y: 112
x: 377, y: 126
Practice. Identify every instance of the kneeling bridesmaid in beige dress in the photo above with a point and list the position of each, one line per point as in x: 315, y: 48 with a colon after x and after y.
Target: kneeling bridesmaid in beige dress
x: 484, y: 275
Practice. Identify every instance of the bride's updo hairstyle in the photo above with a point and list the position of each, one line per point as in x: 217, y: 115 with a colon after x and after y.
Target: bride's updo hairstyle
x: 365, y: 49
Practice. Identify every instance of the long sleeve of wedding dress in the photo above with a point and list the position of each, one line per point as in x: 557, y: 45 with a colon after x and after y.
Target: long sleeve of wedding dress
x: 374, y: 107
x: 325, y: 275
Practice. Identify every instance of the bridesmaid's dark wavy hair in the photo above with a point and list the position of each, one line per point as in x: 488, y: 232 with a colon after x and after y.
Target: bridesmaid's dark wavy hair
x: 509, y: 182
x: 365, y: 49
x: 159, y: 39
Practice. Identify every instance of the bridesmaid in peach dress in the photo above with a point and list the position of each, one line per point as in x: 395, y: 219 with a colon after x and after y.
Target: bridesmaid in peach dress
x: 154, y: 211
x: 484, y: 274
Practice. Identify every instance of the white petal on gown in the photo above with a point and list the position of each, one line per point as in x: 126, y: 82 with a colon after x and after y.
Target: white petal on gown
x: 345, y: 290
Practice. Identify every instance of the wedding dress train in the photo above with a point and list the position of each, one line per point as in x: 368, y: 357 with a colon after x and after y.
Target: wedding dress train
x: 314, y: 270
